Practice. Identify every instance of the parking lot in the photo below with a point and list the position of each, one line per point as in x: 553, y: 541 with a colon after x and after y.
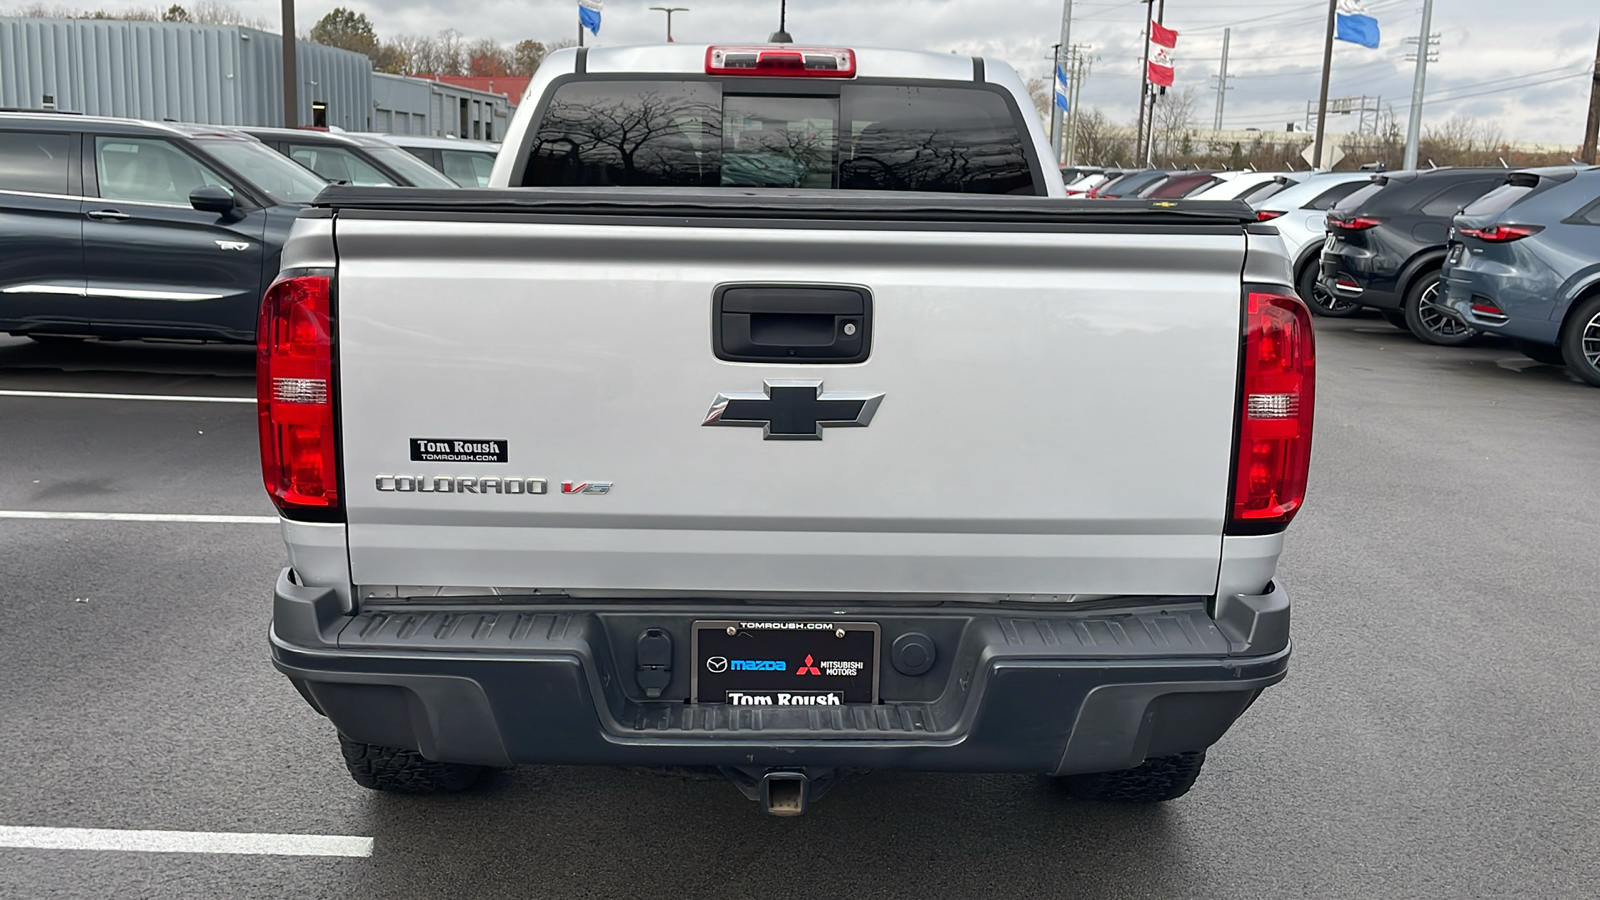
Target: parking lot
x: 1435, y: 736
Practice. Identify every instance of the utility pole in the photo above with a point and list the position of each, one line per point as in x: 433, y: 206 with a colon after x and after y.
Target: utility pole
x: 1055, y: 114
x: 1144, y: 83
x: 1414, y: 129
x: 669, y: 10
x: 1591, y: 134
x: 291, y: 70
x: 1222, y: 79
x: 1080, y: 69
x: 1322, y: 98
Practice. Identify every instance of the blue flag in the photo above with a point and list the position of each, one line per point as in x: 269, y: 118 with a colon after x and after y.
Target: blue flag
x: 589, y: 15
x: 1354, y: 25
x: 1061, y: 91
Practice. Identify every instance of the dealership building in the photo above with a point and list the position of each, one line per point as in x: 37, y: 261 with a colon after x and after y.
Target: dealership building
x: 224, y: 75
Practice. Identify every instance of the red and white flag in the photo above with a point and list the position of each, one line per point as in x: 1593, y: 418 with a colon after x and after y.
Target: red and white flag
x: 1162, y: 40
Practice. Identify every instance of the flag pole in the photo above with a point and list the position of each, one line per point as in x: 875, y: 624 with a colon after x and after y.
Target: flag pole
x: 1322, y: 98
x: 1057, y: 120
x: 1144, y: 83
x: 1150, y: 133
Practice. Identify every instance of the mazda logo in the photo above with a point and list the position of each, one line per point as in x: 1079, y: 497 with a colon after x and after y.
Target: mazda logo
x: 717, y: 664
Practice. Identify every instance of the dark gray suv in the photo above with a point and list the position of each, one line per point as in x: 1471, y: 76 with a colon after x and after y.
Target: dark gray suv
x: 123, y: 228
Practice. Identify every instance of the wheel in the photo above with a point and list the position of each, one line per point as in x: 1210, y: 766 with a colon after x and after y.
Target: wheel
x: 1395, y: 317
x: 1317, y: 297
x: 1156, y: 781
x: 403, y: 771
x: 1429, y: 319
x: 1580, y: 346
x: 1545, y: 353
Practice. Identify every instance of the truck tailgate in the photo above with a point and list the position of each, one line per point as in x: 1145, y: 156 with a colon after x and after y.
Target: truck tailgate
x: 1057, y: 413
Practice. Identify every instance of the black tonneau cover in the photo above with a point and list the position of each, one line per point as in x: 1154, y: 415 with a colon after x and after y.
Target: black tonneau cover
x: 777, y: 204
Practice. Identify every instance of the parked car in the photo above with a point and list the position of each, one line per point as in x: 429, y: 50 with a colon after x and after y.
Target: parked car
x: 461, y: 603
x: 1069, y: 174
x: 1179, y: 184
x: 1129, y: 185
x: 1087, y: 183
x: 1300, y: 212
x: 1239, y: 186
x: 1524, y: 261
x: 466, y: 162
x: 350, y: 158
x: 1278, y: 184
x: 1386, y: 245
x: 123, y: 228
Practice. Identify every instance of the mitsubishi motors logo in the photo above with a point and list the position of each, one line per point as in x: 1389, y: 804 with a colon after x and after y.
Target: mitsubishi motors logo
x: 809, y: 667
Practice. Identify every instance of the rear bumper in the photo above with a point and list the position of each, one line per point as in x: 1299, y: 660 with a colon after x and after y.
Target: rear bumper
x: 1055, y: 692
x: 1526, y: 313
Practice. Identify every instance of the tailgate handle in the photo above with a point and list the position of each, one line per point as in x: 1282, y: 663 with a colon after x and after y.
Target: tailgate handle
x: 791, y: 324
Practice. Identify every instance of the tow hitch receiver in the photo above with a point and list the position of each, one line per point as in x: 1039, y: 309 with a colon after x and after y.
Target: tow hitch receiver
x: 782, y: 792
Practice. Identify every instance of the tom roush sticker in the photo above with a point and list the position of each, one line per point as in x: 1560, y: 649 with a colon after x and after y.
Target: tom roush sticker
x: 463, y: 450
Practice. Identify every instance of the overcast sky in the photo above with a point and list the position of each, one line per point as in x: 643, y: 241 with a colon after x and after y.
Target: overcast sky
x: 1522, y: 63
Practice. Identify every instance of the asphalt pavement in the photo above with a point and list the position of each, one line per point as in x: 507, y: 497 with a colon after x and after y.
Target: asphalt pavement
x: 1435, y: 738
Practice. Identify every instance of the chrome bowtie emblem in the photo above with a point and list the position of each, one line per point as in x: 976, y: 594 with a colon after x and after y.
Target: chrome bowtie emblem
x: 794, y: 410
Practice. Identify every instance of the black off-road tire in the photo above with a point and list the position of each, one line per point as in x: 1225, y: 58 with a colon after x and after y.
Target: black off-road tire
x: 1580, y: 345
x: 1427, y: 318
x: 1157, y: 781
x: 1319, y: 300
x: 1395, y: 317
x: 404, y: 771
x: 1545, y: 353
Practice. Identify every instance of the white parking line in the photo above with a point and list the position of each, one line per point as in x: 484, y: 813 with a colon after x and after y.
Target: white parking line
x: 171, y: 398
x: 33, y: 838
x: 137, y: 517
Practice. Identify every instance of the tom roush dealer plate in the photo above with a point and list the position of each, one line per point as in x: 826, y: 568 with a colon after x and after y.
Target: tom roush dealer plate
x: 785, y: 663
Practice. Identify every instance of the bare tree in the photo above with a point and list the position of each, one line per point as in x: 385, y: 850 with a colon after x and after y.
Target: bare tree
x: 1098, y: 142
x: 1172, y: 118
x: 1042, y: 91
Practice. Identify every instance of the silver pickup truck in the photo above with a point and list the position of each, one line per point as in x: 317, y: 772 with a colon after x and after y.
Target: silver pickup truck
x: 775, y: 413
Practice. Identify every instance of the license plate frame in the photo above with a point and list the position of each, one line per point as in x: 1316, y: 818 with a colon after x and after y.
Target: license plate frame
x: 844, y: 657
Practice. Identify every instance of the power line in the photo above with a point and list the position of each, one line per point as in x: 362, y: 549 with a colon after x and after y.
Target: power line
x: 1437, y: 96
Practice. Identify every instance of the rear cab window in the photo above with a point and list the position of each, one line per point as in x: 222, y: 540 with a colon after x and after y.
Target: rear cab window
x: 704, y: 133
x: 36, y: 162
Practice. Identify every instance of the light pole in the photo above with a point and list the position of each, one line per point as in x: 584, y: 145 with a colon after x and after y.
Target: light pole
x: 291, y: 70
x: 669, y: 10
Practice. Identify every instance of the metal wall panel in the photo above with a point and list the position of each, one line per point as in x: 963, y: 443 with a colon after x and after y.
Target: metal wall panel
x: 214, y: 74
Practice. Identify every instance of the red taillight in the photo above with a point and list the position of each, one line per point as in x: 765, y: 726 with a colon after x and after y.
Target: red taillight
x: 1501, y: 234
x: 1354, y: 223
x: 1483, y: 306
x: 1275, y: 408
x: 1267, y: 215
x: 294, y: 394
x: 781, y: 62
